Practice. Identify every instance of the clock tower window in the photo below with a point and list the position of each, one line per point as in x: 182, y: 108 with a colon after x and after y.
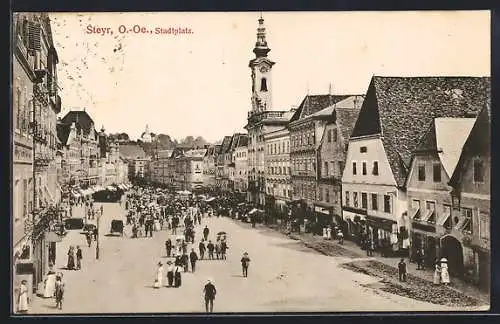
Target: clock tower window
x: 263, y: 84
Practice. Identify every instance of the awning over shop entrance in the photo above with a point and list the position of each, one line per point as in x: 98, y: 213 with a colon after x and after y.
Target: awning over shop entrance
x: 379, y: 222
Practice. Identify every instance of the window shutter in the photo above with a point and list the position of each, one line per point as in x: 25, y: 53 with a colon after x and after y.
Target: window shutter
x: 34, y: 33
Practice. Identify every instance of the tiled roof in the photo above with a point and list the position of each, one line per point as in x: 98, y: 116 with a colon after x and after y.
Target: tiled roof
x: 401, y: 109
x: 478, y: 143
x: 82, y: 120
x: 346, y: 118
x: 315, y: 103
x: 130, y: 151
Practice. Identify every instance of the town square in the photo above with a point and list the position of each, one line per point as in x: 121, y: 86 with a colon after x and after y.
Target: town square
x: 179, y: 169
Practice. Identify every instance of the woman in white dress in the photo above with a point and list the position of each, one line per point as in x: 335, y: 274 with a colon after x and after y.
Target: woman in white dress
x: 159, y: 276
x: 325, y: 235
x: 22, y: 300
x: 445, y: 276
x: 329, y: 233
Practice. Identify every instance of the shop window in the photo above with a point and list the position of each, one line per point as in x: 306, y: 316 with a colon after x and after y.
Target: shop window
x: 355, y: 199
x: 375, y: 168
x: 364, y: 200
x: 364, y: 168
x: 478, y: 170
x: 421, y: 172
x: 436, y: 172
x: 374, y: 202
x: 387, y: 204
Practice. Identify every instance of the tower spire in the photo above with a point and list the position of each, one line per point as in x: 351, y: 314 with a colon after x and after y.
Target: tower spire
x: 261, y: 48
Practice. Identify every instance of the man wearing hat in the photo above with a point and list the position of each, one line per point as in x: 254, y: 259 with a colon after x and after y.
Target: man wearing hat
x: 210, y: 292
x: 245, y: 262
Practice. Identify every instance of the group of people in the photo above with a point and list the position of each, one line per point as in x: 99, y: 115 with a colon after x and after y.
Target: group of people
x: 54, y: 289
x: 441, y: 274
x: 71, y: 258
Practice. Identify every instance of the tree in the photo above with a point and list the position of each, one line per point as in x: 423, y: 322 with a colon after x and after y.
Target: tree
x: 188, y: 141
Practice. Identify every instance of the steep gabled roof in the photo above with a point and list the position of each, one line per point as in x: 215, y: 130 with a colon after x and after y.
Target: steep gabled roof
x: 63, y: 131
x: 478, y: 143
x: 315, y: 103
x: 346, y: 118
x: 195, y: 153
x: 82, y: 120
x: 400, y: 109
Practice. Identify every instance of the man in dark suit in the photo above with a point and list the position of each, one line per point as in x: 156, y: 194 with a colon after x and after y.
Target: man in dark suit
x: 210, y: 292
x: 193, y: 257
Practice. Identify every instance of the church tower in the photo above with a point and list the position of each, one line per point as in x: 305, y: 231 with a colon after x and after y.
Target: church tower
x: 261, y: 68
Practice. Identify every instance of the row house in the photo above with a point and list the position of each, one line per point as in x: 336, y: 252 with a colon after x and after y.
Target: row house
x: 331, y: 157
x: 261, y: 119
x: 471, y: 202
x: 306, y: 130
x: 159, y: 167
x: 136, y: 159
x: 433, y: 162
x: 229, y: 159
x: 209, y: 166
x: 36, y: 103
x: 240, y: 158
x: 221, y: 176
x: 278, y: 170
x: 395, y: 114
x: 81, y: 163
x: 193, y: 161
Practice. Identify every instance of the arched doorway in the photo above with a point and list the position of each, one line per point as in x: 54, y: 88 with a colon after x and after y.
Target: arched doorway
x: 451, y: 249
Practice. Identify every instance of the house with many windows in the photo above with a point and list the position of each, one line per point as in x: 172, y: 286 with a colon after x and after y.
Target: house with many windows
x: 395, y: 114
x: 471, y: 198
x: 429, y: 199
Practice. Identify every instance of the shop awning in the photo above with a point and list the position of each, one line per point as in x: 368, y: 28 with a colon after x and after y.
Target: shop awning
x: 253, y: 211
x: 210, y: 199
x: 111, y: 188
x: 428, y: 214
x: 444, y: 217
x: 415, y: 213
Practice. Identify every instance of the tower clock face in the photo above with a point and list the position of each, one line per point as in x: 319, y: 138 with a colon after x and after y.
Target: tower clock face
x: 264, y: 69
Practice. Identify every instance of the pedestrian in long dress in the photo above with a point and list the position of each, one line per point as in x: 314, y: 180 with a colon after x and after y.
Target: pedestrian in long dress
x: 177, y: 277
x: 445, y: 275
x: 168, y: 247
x: 193, y: 257
x: 22, y: 298
x: 437, y: 274
x: 217, y: 249
x: 206, y: 231
x: 325, y: 235
x: 159, y: 276
x: 402, y: 270
x: 210, y: 293
x: 79, y: 258
x: 223, y: 249
x: 245, y: 262
x: 170, y: 273
x: 329, y: 233
x: 71, y: 259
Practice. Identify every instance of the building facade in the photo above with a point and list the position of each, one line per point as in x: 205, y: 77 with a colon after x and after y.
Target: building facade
x: 471, y: 203
x: 240, y: 158
x: 278, y: 170
x: 306, y: 131
x: 209, y: 166
x: 35, y: 105
x: 331, y: 158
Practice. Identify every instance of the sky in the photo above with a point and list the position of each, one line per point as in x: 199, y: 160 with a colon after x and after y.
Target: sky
x: 199, y: 83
